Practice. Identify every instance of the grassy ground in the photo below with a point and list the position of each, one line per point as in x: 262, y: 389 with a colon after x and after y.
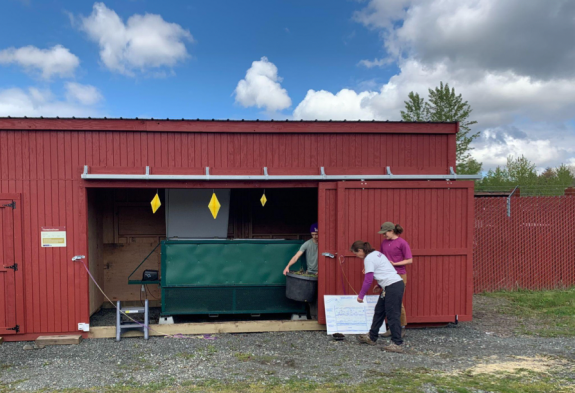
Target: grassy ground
x: 521, y: 381
x: 544, y: 313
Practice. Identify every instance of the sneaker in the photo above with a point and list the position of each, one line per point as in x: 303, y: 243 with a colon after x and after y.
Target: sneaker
x: 365, y: 339
x: 387, y: 334
x: 393, y: 347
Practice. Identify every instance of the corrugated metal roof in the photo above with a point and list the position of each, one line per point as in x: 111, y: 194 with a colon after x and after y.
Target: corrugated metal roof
x: 217, y: 120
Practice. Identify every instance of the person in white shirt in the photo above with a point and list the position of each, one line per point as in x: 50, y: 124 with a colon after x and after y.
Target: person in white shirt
x: 376, y: 265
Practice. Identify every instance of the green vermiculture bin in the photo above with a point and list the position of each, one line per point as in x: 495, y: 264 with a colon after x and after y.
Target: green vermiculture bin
x: 227, y: 276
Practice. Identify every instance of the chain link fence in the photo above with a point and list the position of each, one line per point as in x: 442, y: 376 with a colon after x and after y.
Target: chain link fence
x: 524, y: 243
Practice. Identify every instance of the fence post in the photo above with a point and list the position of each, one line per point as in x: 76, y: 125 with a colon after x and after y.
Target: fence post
x: 509, y: 201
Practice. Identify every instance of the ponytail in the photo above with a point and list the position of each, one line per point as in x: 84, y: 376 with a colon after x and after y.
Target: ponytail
x: 398, y: 230
x: 361, y: 245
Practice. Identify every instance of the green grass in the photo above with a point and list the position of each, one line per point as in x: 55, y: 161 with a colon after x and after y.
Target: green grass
x: 552, y: 312
x: 405, y: 381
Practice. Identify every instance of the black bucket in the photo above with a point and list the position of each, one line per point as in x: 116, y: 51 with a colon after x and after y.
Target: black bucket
x: 301, y: 288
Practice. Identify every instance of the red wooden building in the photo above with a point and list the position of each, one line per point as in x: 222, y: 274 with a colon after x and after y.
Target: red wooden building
x: 94, y: 179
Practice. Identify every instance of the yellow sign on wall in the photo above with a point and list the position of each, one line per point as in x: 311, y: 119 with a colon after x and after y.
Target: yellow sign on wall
x: 53, y: 237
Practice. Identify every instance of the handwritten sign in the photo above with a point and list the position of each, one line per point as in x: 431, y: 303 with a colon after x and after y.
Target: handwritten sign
x: 53, y: 237
x: 345, y: 315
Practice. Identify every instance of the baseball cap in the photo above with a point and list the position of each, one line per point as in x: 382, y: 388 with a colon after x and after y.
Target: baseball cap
x: 313, y: 228
x: 386, y: 226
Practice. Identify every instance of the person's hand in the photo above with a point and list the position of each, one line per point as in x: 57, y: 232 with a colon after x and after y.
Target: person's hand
x: 376, y: 289
x: 359, y: 300
x: 286, y: 270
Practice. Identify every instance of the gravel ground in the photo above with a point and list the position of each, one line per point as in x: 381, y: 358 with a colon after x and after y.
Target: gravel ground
x: 234, y: 357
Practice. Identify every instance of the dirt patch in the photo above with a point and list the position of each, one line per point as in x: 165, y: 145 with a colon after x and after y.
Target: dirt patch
x: 489, y: 318
x: 538, y: 364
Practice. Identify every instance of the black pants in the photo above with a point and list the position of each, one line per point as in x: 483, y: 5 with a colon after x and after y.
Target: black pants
x: 390, y: 307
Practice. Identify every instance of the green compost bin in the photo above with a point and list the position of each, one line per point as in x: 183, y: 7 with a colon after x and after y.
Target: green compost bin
x: 227, y: 276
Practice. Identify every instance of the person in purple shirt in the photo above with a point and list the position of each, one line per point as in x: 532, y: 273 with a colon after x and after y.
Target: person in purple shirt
x: 398, y: 252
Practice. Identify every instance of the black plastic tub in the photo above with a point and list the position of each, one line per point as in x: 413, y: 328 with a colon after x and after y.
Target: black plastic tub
x: 301, y: 288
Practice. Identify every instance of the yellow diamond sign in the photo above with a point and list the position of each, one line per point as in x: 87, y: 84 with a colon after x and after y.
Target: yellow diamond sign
x: 156, y: 203
x: 214, y: 205
x: 263, y: 200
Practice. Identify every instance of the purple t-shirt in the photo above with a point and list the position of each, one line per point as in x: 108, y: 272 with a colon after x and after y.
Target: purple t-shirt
x: 396, y: 251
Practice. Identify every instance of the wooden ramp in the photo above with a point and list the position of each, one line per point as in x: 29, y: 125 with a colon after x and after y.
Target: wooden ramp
x: 212, y: 328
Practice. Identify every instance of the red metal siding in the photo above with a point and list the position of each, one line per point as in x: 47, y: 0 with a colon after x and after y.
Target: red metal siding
x: 44, y: 167
x: 437, y: 218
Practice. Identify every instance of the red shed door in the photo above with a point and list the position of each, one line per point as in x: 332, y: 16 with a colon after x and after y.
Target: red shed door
x: 7, y: 269
x: 438, y: 222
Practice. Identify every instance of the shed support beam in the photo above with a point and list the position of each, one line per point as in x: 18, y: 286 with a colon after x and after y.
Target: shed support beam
x: 266, y: 176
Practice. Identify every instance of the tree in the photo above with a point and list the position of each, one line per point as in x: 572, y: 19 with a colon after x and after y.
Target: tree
x: 521, y: 171
x: 565, y: 176
x: 495, y: 179
x: 444, y: 105
x: 414, y: 108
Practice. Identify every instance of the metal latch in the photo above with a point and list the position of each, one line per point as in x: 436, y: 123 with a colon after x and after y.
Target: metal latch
x: 14, y: 266
x: 327, y: 254
x: 12, y: 205
x: 16, y: 328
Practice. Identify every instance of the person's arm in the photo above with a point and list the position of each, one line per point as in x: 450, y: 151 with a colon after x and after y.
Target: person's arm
x: 403, y: 263
x: 365, y: 287
x: 407, y: 256
x: 292, y: 261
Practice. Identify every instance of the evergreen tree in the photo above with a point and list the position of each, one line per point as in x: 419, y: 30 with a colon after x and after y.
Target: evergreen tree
x: 444, y: 105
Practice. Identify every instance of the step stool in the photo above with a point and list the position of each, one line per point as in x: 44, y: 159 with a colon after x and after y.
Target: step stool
x: 123, y: 326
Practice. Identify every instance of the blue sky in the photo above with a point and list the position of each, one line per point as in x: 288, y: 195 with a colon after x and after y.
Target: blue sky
x: 338, y: 59
x: 314, y: 45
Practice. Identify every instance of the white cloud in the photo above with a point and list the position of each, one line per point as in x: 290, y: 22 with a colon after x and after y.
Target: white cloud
x: 544, y: 143
x: 144, y: 42
x: 261, y: 87
x: 32, y: 102
x: 345, y: 105
x: 532, y: 38
x: 512, y: 61
x: 497, y: 98
x: 49, y: 62
x: 84, y: 94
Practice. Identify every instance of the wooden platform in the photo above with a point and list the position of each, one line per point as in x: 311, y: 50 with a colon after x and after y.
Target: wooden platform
x: 59, y: 340
x: 213, y: 328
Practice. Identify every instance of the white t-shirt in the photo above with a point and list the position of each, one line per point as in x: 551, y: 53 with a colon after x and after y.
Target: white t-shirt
x: 383, y: 271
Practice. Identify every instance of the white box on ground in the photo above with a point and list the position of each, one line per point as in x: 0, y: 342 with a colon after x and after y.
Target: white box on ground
x: 345, y: 315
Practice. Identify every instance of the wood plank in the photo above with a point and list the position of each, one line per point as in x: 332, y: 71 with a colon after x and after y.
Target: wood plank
x: 213, y: 328
x: 120, y: 260
x: 74, y: 339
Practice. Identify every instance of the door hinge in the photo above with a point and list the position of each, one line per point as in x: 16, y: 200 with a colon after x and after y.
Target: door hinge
x: 16, y: 328
x: 12, y: 205
x: 14, y: 266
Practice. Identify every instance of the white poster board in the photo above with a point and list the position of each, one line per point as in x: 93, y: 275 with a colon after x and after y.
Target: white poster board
x: 345, y: 315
